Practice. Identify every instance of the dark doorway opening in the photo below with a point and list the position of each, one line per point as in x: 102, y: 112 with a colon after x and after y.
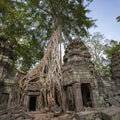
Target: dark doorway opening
x: 86, y: 94
x: 32, y: 103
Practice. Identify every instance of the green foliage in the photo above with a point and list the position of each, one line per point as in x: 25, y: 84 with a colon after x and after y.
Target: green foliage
x: 96, y: 46
x: 118, y: 19
x: 113, y: 49
x: 32, y: 22
x: 28, y: 54
x: 16, y: 24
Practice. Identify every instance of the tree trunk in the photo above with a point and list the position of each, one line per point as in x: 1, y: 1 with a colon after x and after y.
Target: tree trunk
x: 49, y: 72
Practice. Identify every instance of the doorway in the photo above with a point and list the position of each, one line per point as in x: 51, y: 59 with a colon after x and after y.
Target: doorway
x: 86, y: 94
x: 32, y: 103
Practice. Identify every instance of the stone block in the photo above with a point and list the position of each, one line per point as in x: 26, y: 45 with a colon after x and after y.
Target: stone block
x: 88, y: 115
x: 113, y: 101
x: 111, y: 113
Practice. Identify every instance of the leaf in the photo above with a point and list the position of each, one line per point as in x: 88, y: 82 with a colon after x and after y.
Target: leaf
x: 118, y: 19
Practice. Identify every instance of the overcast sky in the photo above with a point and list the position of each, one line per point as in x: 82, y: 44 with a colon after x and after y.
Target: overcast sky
x: 106, y: 11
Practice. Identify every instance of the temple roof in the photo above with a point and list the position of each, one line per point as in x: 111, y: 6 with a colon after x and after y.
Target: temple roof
x: 77, y: 63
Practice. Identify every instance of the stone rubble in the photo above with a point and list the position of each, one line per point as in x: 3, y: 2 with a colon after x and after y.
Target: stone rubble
x: 16, y: 113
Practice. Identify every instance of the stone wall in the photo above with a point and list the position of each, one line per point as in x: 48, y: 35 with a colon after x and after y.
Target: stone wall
x: 78, y: 71
x: 6, y: 73
x: 115, y: 68
x: 112, y: 93
x: 6, y: 58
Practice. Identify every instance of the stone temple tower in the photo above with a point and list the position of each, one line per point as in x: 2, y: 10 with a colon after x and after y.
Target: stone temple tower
x: 80, y: 86
x: 6, y: 58
x: 115, y: 68
x: 6, y: 72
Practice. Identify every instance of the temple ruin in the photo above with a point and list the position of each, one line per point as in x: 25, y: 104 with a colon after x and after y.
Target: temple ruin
x: 72, y: 88
x: 115, y: 68
x: 79, y: 87
x: 7, y: 84
x: 39, y: 89
x: 79, y: 82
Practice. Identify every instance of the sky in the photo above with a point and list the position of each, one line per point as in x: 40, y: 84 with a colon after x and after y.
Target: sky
x: 106, y: 11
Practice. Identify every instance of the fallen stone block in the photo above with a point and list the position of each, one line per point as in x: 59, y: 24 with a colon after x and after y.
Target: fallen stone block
x: 88, y: 115
x: 111, y: 113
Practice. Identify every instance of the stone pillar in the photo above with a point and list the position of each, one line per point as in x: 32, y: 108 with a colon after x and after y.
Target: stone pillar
x: 26, y: 102
x: 78, y: 97
x: 64, y: 100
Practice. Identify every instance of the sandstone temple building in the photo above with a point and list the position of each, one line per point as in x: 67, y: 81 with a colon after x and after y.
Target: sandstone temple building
x: 80, y: 87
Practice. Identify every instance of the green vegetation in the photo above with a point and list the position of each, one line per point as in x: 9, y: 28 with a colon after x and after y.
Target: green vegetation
x: 28, y: 25
x: 96, y: 45
x: 118, y: 19
x: 114, y: 49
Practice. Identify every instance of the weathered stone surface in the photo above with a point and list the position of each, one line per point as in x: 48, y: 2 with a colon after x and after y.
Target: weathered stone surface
x: 113, y: 101
x: 7, y: 74
x: 111, y: 113
x: 16, y: 113
x: 42, y: 116
x: 88, y: 115
x: 78, y: 69
x: 115, y: 68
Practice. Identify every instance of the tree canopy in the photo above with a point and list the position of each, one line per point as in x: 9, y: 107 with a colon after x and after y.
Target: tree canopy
x: 28, y: 25
x: 112, y: 48
x: 96, y: 44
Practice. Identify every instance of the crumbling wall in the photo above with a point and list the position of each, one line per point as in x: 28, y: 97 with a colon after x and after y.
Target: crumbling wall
x: 111, y: 88
x: 6, y: 73
x: 115, y: 68
x: 78, y: 70
x: 113, y: 93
